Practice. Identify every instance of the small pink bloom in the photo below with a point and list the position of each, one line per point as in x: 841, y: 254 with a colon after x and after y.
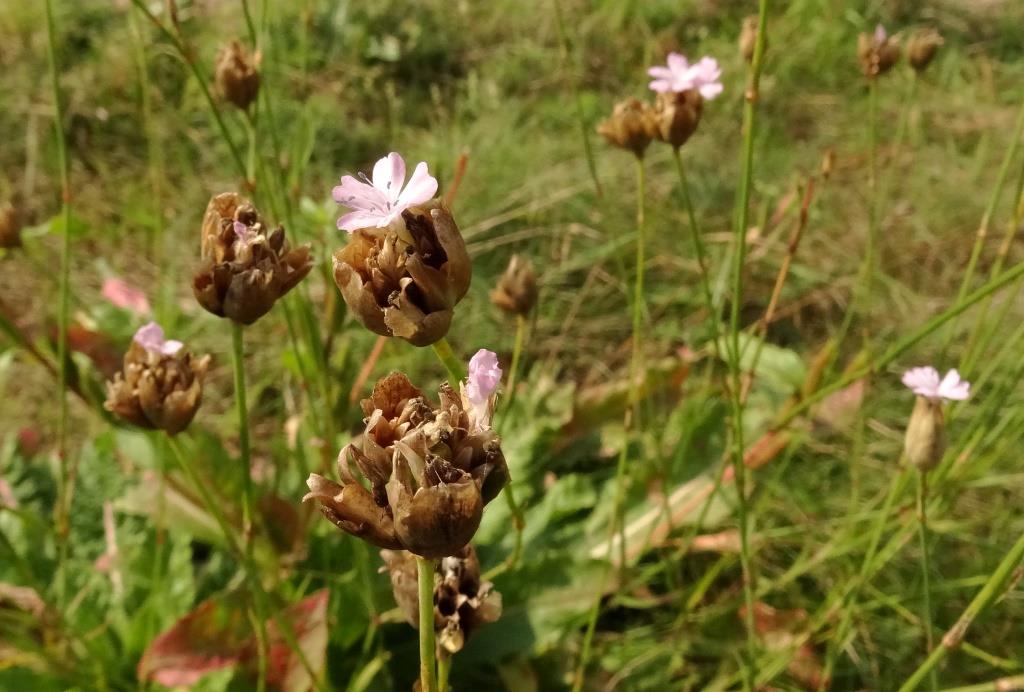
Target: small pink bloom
x: 151, y: 338
x: 925, y: 382
x: 380, y: 201
x: 484, y: 377
x: 880, y: 34
x: 679, y: 75
x: 125, y: 296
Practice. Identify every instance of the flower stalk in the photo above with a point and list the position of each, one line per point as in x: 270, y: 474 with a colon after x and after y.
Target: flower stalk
x: 926, y: 615
x: 452, y: 364
x: 425, y: 572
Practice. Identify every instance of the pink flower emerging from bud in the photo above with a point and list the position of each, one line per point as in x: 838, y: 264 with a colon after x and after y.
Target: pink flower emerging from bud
x: 151, y: 338
x: 125, y: 296
x: 679, y: 75
x: 925, y: 382
x: 881, y: 34
x: 484, y: 377
x: 380, y: 201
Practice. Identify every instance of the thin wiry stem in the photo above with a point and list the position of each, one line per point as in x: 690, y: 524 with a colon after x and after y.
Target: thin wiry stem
x: 735, y: 367
x: 65, y: 483
x: 445, y: 354
x: 425, y: 570
x: 922, y: 525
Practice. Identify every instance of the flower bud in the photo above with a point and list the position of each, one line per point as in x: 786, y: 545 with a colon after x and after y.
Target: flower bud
x: 405, y: 279
x: 748, y: 38
x: 10, y: 227
x: 236, y: 75
x: 462, y: 601
x: 631, y: 126
x: 245, y: 268
x: 677, y: 115
x: 925, y: 440
x: 160, y: 386
x: 516, y: 291
x: 877, y: 52
x: 922, y: 47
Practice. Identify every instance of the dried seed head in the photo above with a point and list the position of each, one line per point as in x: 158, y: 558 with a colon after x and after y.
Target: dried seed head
x: 925, y: 440
x: 677, y: 115
x: 877, y: 52
x: 10, y: 226
x: 246, y: 267
x: 158, y: 388
x: 631, y: 126
x: 922, y: 47
x: 516, y: 291
x: 236, y: 75
x: 406, y: 279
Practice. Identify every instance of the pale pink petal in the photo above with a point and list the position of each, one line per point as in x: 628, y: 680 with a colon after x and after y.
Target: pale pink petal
x: 124, y: 295
x: 710, y: 91
x: 880, y: 34
x: 660, y: 72
x: 661, y: 85
x: 151, y: 337
x: 953, y: 388
x: 355, y: 193
x: 420, y: 189
x: 923, y: 381
x: 388, y: 175
x: 170, y: 347
x: 355, y: 220
x: 484, y: 376
x: 677, y: 62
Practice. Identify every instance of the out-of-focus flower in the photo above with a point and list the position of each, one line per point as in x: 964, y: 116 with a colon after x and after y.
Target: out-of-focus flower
x: 631, y: 126
x: 516, y: 290
x: 406, y: 279
x: 429, y: 472
x: 161, y: 384
x: 125, y: 296
x: 236, y: 75
x: 246, y: 267
x: 877, y: 52
x: 924, y: 381
x: 679, y: 75
x: 922, y: 47
x: 484, y: 376
x: 379, y: 201
x: 677, y: 115
x: 10, y: 226
x: 462, y: 600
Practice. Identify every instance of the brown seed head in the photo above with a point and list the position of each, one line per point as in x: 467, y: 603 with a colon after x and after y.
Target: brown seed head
x: 246, y: 267
x: 405, y: 280
x: 922, y: 47
x: 10, y: 226
x: 157, y: 391
x: 516, y: 291
x: 877, y: 52
x: 236, y: 75
x: 925, y: 440
x: 677, y: 115
x: 631, y: 126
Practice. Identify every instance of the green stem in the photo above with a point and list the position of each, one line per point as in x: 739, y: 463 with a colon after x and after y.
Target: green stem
x: 735, y: 368
x: 66, y: 481
x: 989, y: 593
x: 444, y: 669
x: 445, y: 354
x: 922, y: 502
x: 425, y: 570
x: 698, y: 247
x: 517, y: 352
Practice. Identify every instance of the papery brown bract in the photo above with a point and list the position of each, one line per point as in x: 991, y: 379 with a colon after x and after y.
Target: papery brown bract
x: 10, y: 226
x: 516, y: 290
x: 406, y: 279
x: 157, y: 391
x: 877, y: 56
x: 242, y: 280
x: 925, y: 440
x: 677, y: 115
x: 631, y: 126
x: 921, y: 48
x: 236, y: 75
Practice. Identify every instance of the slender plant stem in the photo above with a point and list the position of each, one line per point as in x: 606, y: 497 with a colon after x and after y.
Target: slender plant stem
x: 425, y: 570
x: 245, y: 468
x: 922, y: 524
x: 517, y: 353
x: 445, y: 354
x: 698, y: 248
x: 444, y: 670
x: 989, y: 593
x: 65, y: 483
x: 735, y: 367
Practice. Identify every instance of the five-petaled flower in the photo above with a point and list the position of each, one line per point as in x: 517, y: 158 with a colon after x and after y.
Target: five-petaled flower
x: 679, y: 75
x: 151, y: 337
x: 378, y: 202
x: 925, y: 382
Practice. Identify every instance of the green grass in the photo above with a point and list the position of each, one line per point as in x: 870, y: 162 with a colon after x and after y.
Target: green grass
x: 343, y: 84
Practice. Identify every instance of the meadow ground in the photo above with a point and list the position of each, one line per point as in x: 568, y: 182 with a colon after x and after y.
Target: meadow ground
x: 887, y: 182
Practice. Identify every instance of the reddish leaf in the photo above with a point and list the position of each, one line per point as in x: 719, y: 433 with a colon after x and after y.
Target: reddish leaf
x: 308, y: 619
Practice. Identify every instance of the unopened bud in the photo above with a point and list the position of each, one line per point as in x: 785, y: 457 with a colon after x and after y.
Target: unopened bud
x: 676, y: 116
x: 922, y: 47
x: 925, y: 440
x: 236, y: 75
x: 516, y: 291
x: 748, y: 38
x: 631, y: 126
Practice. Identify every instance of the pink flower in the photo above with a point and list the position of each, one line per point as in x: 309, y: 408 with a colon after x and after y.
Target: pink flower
x: 484, y: 376
x: 382, y: 200
x: 125, y: 296
x: 880, y: 34
x: 679, y: 75
x: 151, y: 338
x: 925, y: 382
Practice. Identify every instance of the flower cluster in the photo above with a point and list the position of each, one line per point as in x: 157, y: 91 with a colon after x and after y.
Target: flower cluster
x: 878, y: 52
x: 429, y: 470
x: 161, y: 384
